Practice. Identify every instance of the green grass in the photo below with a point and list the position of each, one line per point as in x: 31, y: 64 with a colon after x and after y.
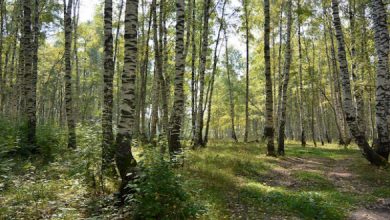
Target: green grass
x: 232, y: 181
x: 239, y: 180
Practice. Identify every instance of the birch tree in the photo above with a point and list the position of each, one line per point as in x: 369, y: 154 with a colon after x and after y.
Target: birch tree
x: 269, y: 124
x: 382, y: 46
x: 108, y: 75
x: 179, y: 98
x: 286, y: 77
x: 348, y: 107
x: 70, y: 117
x: 123, y: 156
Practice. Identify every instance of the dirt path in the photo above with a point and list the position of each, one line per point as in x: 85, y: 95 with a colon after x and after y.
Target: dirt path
x: 340, y: 175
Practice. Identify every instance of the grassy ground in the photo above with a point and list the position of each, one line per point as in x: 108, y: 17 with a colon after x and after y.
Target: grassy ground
x: 238, y: 181
x: 233, y: 181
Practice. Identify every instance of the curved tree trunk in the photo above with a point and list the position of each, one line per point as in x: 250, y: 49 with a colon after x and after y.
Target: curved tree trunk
x: 351, y: 119
x: 202, y: 69
x: 214, y: 70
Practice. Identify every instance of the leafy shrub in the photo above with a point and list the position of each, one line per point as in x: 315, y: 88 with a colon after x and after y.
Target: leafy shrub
x: 88, y: 163
x: 51, y: 139
x: 159, y: 191
x: 9, y: 144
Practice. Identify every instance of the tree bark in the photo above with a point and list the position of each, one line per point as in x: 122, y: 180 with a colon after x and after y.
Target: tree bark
x: 301, y: 103
x: 286, y: 77
x: 108, y: 152
x: 179, y: 98
x: 246, y: 15
x: 214, y: 70
x: 70, y: 117
x: 193, y: 73
x: 202, y: 69
x: 382, y: 107
x: 231, y: 99
x: 360, y: 138
x: 124, y: 159
x: 269, y: 128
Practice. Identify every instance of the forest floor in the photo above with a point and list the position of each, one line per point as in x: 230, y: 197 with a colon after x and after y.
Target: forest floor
x: 232, y: 181
x: 327, y: 182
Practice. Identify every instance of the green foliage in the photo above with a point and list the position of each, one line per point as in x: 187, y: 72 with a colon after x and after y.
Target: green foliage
x: 51, y: 141
x: 8, y: 145
x: 160, y: 192
x: 89, y: 154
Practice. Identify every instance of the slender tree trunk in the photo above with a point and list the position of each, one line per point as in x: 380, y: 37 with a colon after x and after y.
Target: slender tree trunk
x: 76, y: 54
x: 124, y: 158
x: 161, y: 70
x: 245, y: 4
x: 360, y: 139
x: 193, y: 74
x: 30, y: 79
x: 231, y: 100
x: 286, y: 77
x: 277, y: 112
x: 116, y: 63
x: 382, y: 46
x: 214, y: 70
x: 108, y: 152
x: 179, y: 98
x: 2, y: 79
x: 155, y: 98
x: 202, y: 69
x: 301, y: 103
x: 144, y: 77
x: 269, y: 128
x: 70, y: 117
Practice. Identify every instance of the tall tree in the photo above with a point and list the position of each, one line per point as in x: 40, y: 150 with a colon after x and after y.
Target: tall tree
x: 231, y: 100
x: 202, y: 69
x: 382, y: 45
x: 213, y: 72
x: 359, y: 136
x: 124, y: 157
x: 301, y: 109
x: 193, y: 73
x: 179, y: 98
x: 246, y: 15
x: 70, y: 116
x: 269, y: 124
x: 2, y: 79
x: 286, y: 77
x: 29, y: 77
x: 108, y: 151
x: 156, y: 84
x: 144, y: 78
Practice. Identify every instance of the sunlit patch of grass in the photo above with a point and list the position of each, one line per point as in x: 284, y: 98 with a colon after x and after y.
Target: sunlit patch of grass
x: 312, y: 180
x: 370, y: 174
x: 305, y: 204
x: 226, y: 173
x: 331, y: 151
x: 41, y: 198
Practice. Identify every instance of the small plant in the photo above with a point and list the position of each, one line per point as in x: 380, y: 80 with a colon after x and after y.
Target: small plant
x: 159, y: 191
